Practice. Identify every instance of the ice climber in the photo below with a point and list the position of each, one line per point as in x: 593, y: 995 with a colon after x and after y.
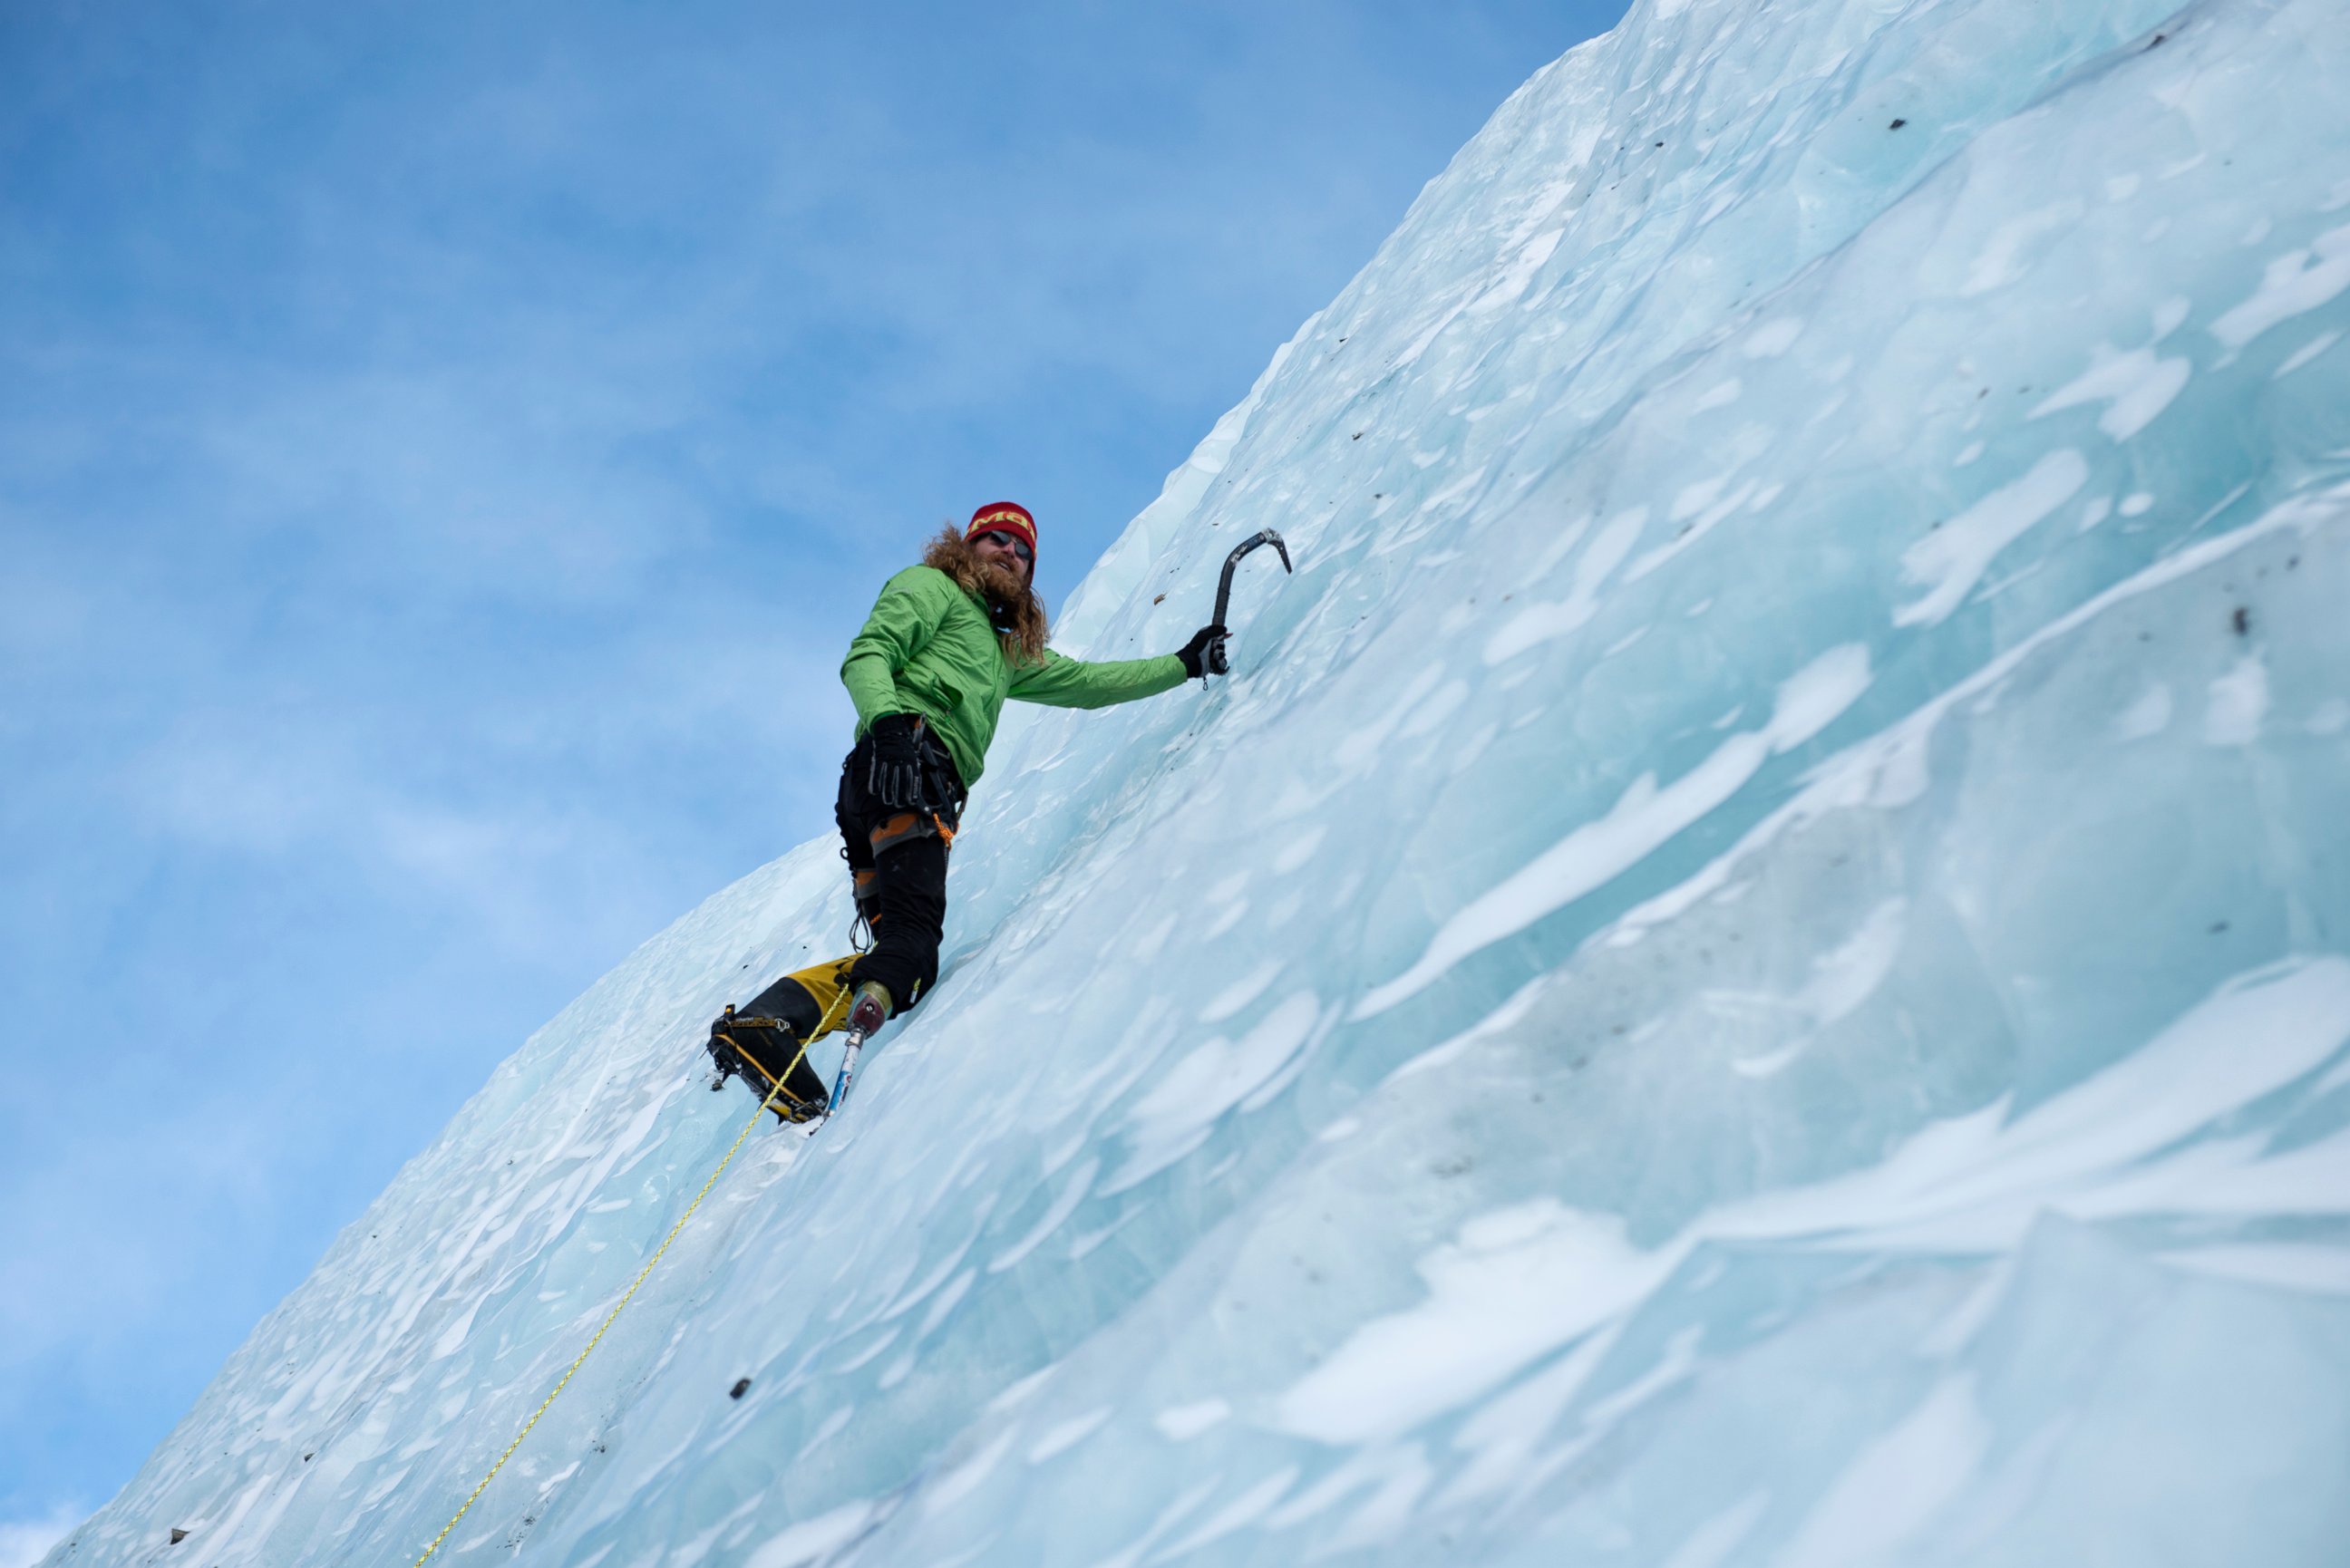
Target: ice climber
x: 947, y: 642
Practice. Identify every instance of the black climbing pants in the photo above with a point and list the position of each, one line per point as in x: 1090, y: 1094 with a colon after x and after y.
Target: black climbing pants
x: 898, y: 860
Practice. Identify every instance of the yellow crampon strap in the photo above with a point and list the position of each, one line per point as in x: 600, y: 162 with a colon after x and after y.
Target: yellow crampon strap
x: 642, y: 1274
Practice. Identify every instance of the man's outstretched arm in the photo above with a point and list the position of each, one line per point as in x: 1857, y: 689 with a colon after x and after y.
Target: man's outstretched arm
x: 1061, y: 682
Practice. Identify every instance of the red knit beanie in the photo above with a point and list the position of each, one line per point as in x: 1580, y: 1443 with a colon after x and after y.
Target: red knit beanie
x: 1004, y: 517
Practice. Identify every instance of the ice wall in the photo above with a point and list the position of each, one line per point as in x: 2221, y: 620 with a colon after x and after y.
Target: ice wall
x: 1751, y: 968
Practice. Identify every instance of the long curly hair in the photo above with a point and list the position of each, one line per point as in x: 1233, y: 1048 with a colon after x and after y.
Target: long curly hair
x: 1012, y: 605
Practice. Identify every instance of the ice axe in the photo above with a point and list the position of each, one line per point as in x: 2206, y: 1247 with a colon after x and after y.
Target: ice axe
x: 1215, y: 662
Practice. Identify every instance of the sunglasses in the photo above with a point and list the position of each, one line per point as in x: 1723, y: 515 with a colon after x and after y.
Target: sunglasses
x: 1019, y: 546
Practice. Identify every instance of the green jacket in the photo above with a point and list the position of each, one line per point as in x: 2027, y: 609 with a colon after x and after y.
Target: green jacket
x: 928, y: 649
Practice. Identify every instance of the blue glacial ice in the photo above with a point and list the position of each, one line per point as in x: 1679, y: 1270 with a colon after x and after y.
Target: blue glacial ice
x: 1752, y: 967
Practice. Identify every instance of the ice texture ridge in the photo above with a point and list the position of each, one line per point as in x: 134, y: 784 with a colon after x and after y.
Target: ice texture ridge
x: 1752, y: 966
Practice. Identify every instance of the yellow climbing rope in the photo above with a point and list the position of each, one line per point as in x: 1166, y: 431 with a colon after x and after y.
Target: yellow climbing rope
x: 823, y: 1025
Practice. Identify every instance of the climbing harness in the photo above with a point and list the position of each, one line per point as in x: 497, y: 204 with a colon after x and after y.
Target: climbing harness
x: 628, y: 1296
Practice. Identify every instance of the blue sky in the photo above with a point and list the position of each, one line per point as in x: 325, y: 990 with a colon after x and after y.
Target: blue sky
x: 443, y: 450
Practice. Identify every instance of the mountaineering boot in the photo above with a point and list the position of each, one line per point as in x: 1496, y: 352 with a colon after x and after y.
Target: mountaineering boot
x: 756, y: 1049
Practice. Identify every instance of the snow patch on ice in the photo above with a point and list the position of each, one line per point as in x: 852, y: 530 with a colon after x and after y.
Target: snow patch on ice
x: 1539, y: 623
x: 2294, y: 284
x: 814, y: 1539
x: 2135, y: 387
x: 2149, y: 715
x: 1950, y: 560
x: 1179, y: 1111
x: 1181, y: 1423
x: 1516, y: 1283
x: 1643, y: 819
x: 2237, y: 703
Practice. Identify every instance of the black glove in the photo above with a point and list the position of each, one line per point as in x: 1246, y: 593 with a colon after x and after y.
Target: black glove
x: 896, y: 774
x: 1205, y: 655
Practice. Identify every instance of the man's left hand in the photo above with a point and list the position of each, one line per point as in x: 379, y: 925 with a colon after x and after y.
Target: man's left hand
x: 1205, y: 655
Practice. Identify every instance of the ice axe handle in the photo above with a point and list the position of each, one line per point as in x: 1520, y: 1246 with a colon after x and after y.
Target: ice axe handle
x: 1224, y: 587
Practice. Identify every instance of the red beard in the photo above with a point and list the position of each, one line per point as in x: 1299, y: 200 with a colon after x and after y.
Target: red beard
x: 1005, y: 587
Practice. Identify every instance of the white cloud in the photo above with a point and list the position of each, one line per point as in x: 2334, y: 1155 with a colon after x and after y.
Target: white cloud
x: 25, y: 1541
